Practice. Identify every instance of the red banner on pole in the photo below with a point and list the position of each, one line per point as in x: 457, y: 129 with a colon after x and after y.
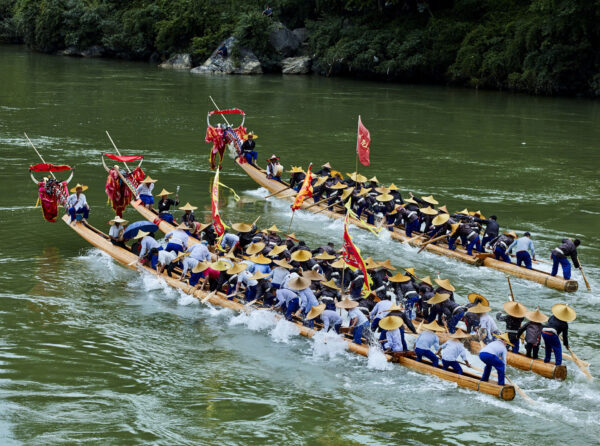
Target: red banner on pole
x: 217, y: 223
x: 306, y: 191
x: 363, y: 144
x: 351, y: 254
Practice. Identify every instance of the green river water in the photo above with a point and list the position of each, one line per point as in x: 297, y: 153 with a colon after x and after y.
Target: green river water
x: 94, y: 353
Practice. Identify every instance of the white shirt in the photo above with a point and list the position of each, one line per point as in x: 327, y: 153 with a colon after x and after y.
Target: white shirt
x: 272, y: 169
x: 496, y: 348
x: 356, y: 313
x: 147, y: 244
x: 166, y: 257
x: 144, y: 189
x: 488, y: 323
x: 189, y: 263
x: 244, y: 277
x: 427, y: 341
x: 279, y: 275
x: 288, y: 279
x: 394, y: 340
x: 199, y: 252
x: 115, y: 230
x: 378, y: 311
x: 78, y: 203
x: 330, y: 318
x: 453, y: 351
x: 178, y: 236
x: 307, y: 299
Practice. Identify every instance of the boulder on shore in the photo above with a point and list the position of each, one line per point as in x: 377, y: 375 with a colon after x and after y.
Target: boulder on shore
x: 296, y: 65
x: 284, y: 41
x: 94, y: 51
x: 301, y: 34
x: 248, y: 63
x: 178, y: 62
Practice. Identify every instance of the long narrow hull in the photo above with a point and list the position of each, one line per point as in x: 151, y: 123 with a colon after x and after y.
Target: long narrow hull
x: 129, y: 259
x: 541, y: 277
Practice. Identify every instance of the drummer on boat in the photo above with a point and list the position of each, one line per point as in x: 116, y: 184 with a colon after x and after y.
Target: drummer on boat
x: 116, y: 231
x: 274, y: 169
x: 77, y: 203
x: 144, y: 191
x: 164, y: 205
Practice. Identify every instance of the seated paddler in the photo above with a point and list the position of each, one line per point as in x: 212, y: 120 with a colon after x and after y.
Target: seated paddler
x: 248, y: 148
x: 144, y: 191
x: 188, y: 218
x: 77, y: 202
x: 274, y: 169
x: 117, y: 229
x: 164, y: 205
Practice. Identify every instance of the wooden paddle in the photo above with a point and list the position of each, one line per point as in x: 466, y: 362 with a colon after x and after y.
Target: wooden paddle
x: 581, y: 366
x: 517, y: 388
x: 512, y: 296
x: 278, y: 192
x: 208, y: 296
x: 570, y: 358
x: 432, y: 241
x: 318, y: 202
x: 587, y: 284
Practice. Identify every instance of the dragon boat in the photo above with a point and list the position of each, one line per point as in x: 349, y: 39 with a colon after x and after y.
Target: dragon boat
x: 127, y: 258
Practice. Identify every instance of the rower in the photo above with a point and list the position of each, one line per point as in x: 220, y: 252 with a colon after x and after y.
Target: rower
x: 165, y: 258
x: 177, y: 239
x: 188, y: 263
x: 394, y: 338
x: 308, y: 300
x: 77, y: 203
x: 280, y: 273
x: 216, y: 274
x: 149, y: 248
x: 197, y: 273
x: 324, y: 171
x: 164, y: 205
x: 229, y: 241
x: 427, y: 341
x: 188, y: 218
x: 515, y: 312
x: 330, y: 318
x: 558, y: 323
x: 471, y: 320
x: 379, y: 312
x: 329, y: 293
x: 492, y: 228
x: 494, y: 355
x: 445, y: 287
x: 200, y: 251
x: 487, y: 326
x: 358, y: 321
x: 144, y: 191
x: 501, y: 244
x: 523, y: 246
x: 439, y: 225
x: 274, y: 169
x: 248, y: 147
x: 408, y: 213
x: 245, y: 233
x: 568, y: 248
x: 469, y: 235
x: 116, y: 231
x: 452, y: 350
x: 297, y: 177
x: 533, y: 332
x: 246, y: 277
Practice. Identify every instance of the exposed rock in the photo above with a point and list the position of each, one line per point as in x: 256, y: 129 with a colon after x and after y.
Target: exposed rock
x: 94, y: 51
x: 296, y: 65
x: 71, y: 52
x: 178, y: 62
x: 248, y: 63
x: 284, y: 41
x: 301, y: 34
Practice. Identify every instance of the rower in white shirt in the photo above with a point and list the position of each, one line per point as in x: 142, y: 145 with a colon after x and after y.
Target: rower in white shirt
x: 116, y: 231
x: 147, y: 245
x: 452, y: 350
x: 144, y: 191
x: 77, y: 203
x: 487, y: 325
x: 177, y: 239
x: 494, y: 355
x: 200, y: 251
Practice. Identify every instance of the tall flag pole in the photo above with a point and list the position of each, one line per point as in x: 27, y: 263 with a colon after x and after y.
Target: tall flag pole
x: 351, y: 253
x: 363, y: 143
x: 306, y: 191
x: 217, y: 223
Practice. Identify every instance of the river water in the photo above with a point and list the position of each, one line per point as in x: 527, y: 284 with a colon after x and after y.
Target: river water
x: 93, y: 352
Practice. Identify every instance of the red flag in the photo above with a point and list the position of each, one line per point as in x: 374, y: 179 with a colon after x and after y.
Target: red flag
x: 217, y: 223
x: 351, y: 254
x: 306, y: 191
x: 363, y: 143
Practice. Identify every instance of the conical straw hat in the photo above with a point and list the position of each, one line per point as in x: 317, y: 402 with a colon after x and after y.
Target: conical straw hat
x: 346, y: 193
x: 564, y: 312
x: 183, y: 226
x: 237, y: 268
x: 410, y: 200
x: 504, y: 337
x: 188, y: 207
x: 427, y: 280
x: 393, y: 187
x: 296, y: 169
x: 346, y: 303
x: 324, y: 256
x: 302, y: 255
x: 283, y: 264
x: 164, y: 192
x: 399, y: 278
x: 445, y: 284
x: 320, y: 181
x: 221, y: 265
x: 330, y: 284
x: 260, y: 259
x: 200, y: 267
x: 374, y: 180
x: 390, y: 323
x: 273, y: 228
x: 438, y: 298
x: 149, y: 180
x: 356, y: 177
x: 515, y: 309
x: 410, y: 271
x: 443, y: 209
x: 338, y: 186
x: 459, y: 334
x: 387, y: 265
x: 118, y: 219
x: 242, y: 227
x: 536, y: 316
x: 370, y: 263
x: 382, y: 190
x: 258, y: 275
x: 384, y: 197
x: 255, y: 248
x: 454, y: 227
x: 394, y: 308
x: 78, y: 185
x: 326, y: 165
x: 292, y: 236
x: 141, y: 234
x: 440, y: 219
x: 298, y: 283
x: 277, y: 250
x: 315, y: 311
x: 479, y: 308
x: 433, y: 326
x: 511, y: 234
x: 474, y: 296
x: 338, y: 264
x: 313, y: 275
x: 465, y: 211
x: 429, y: 199
x: 428, y: 211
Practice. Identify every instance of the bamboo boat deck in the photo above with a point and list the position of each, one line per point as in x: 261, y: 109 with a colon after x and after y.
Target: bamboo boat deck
x: 130, y: 260
x: 541, y: 277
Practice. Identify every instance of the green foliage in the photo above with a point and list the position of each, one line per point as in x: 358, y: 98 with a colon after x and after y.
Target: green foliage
x: 252, y: 31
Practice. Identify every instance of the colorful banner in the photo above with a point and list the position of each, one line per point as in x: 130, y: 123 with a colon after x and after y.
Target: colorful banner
x: 306, y: 191
x: 351, y: 253
x: 363, y: 143
x: 124, y: 159
x: 48, y: 167
x: 217, y: 223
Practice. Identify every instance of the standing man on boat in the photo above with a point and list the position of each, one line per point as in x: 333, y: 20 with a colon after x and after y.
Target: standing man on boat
x: 164, y: 205
x: 562, y: 314
x: 515, y: 312
x: 494, y: 355
x: 248, y: 149
x: 117, y: 229
x: 568, y: 248
x: 523, y: 246
x: 500, y: 246
x: 492, y: 229
x: 533, y: 332
x: 144, y: 191
x: 274, y: 169
x: 78, y: 204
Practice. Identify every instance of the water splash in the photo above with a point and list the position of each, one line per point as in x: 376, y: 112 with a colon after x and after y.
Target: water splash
x: 377, y: 359
x: 283, y: 331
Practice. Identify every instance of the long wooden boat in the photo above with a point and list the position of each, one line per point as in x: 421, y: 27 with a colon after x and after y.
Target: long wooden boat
x: 129, y: 259
x: 518, y: 361
x: 541, y: 277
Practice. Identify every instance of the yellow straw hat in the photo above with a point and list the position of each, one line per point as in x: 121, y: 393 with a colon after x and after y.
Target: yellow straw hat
x: 387, y: 264
x: 445, y: 284
x: 149, y: 180
x: 454, y: 227
x: 347, y: 192
x: 313, y: 275
x: 221, y: 265
x: 564, y: 312
x: 428, y: 211
x: 273, y: 228
x: 440, y: 219
x: 427, y: 280
x: 465, y: 211
x: 237, y: 268
x: 459, y: 334
x: 141, y: 234
x: 277, y: 250
x: 118, y: 219
x: 433, y: 326
x: 260, y: 259
x: 255, y: 248
x: 302, y: 255
x: 182, y: 226
x: 438, y: 298
x: 188, y: 207
x: 337, y: 186
x: 242, y: 227
x: 296, y: 169
x: 391, y: 323
x: 258, y: 275
x: 504, y: 337
x: 374, y: 180
x: 339, y: 264
x: 429, y: 199
x: 384, y: 198
x: 200, y: 267
x: 370, y: 263
x: 283, y: 264
x: 324, y: 256
x: 443, y: 209
x: 357, y: 177
x: 326, y: 165
x: 515, y: 309
x: 292, y: 236
x: 77, y: 186
x: 164, y: 192
x: 511, y: 234
x: 382, y: 190
x: 399, y: 278
x: 298, y: 283
x: 315, y: 311
x: 346, y: 303
x: 394, y: 308
x: 479, y: 308
x: 474, y: 296
x: 410, y: 271
x: 393, y: 187
x: 410, y: 200
x: 320, y: 181
x: 330, y: 284
x: 536, y: 316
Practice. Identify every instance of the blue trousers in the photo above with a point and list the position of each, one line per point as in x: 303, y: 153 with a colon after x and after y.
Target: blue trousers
x: 147, y: 199
x: 475, y: 242
x: 292, y: 307
x: 451, y: 242
x: 371, y: 218
x: 195, y: 278
x: 552, y: 344
x: 452, y: 364
x: 85, y: 211
x: 251, y: 293
x: 251, y: 156
x: 390, y: 219
x: 454, y: 320
x: 500, y: 254
x: 524, y: 257
x: 486, y: 240
x: 566, y: 266
x: 428, y: 354
x: 358, y: 331
x: 166, y: 217
x: 413, y: 226
x: 174, y: 247
x: 492, y: 361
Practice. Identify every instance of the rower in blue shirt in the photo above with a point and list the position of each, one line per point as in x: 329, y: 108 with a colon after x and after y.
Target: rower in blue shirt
x: 523, y: 246
x: 494, y: 355
x: 428, y: 341
x: 452, y: 350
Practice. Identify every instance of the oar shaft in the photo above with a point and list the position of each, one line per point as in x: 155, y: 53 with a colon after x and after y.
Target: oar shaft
x: 587, y: 284
x: 580, y: 365
x: 315, y: 204
x: 116, y: 148
x: 432, y: 241
x: 38, y: 153
x: 512, y: 296
x: 278, y: 192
